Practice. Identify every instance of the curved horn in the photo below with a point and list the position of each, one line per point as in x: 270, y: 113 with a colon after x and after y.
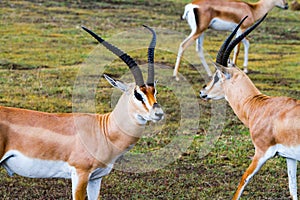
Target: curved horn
x: 134, y: 68
x: 150, y: 80
x: 227, y: 41
x: 240, y: 38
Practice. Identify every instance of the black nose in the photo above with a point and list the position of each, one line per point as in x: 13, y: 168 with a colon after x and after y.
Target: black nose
x: 159, y: 115
x: 286, y: 6
x: 203, y: 95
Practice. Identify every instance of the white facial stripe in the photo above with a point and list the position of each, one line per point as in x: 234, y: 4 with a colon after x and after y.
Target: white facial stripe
x: 145, y: 98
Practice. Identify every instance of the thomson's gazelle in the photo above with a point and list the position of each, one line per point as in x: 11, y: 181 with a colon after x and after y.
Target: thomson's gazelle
x: 45, y: 145
x: 274, y: 122
x: 221, y: 15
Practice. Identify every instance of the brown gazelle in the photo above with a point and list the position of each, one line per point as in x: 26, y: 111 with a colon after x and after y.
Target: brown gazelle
x: 221, y: 15
x: 274, y: 122
x: 44, y: 145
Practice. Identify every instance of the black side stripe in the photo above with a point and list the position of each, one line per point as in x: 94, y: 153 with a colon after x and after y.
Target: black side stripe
x: 195, y: 10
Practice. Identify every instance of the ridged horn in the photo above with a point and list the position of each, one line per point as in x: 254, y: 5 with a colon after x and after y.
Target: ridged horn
x: 227, y: 41
x: 151, y: 48
x: 238, y: 39
x: 134, y: 68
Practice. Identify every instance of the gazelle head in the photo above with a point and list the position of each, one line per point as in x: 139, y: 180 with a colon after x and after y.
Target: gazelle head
x: 224, y: 74
x: 139, y: 97
x: 281, y: 4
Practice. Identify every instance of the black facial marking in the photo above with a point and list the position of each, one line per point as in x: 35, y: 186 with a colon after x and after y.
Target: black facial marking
x: 138, y: 96
x: 216, y: 78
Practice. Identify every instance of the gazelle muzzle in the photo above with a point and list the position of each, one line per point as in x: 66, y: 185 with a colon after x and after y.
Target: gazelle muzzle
x: 156, y: 113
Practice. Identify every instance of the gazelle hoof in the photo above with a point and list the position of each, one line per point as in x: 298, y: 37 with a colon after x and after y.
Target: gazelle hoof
x: 176, y: 78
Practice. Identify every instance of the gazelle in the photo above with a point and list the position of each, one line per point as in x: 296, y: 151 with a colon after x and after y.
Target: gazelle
x: 44, y: 145
x: 274, y: 122
x: 221, y: 15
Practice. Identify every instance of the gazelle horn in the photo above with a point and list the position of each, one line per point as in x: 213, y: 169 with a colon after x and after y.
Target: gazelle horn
x: 151, y: 48
x: 134, y: 68
x: 238, y: 39
x: 227, y: 41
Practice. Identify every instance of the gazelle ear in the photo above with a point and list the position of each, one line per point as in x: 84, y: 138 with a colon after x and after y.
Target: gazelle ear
x: 224, y: 70
x: 117, y: 84
x: 220, y: 67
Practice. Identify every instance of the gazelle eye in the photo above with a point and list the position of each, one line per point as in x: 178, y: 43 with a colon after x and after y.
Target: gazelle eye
x: 138, y: 96
x: 216, y: 78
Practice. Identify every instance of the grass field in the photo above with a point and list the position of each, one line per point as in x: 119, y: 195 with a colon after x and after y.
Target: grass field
x: 43, y: 51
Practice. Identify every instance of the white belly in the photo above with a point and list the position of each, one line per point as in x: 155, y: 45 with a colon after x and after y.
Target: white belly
x: 15, y: 162
x: 289, y: 152
x: 221, y: 25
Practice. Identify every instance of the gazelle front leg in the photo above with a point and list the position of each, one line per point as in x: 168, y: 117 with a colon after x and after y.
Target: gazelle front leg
x: 246, y: 44
x: 236, y: 52
x: 93, y: 188
x: 292, y: 174
x: 79, y: 184
x: 246, y: 50
x: 199, y: 49
x: 258, y: 161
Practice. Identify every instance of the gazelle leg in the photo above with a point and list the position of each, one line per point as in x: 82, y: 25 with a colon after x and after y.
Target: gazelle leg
x: 236, y: 53
x: 191, y: 19
x: 79, y: 185
x: 246, y: 51
x: 199, y: 49
x: 74, y: 178
x: 236, y: 48
x: 257, y: 162
x: 186, y: 43
x: 292, y: 174
x: 93, y: 189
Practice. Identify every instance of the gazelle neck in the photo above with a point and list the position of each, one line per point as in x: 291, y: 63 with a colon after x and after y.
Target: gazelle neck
x: 262, y: 7
x: 124, y: 128
x: 238, y: 90
x: 118, y: 132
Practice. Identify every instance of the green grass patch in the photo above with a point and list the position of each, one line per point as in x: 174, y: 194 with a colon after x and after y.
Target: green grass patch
x: 43, y: 50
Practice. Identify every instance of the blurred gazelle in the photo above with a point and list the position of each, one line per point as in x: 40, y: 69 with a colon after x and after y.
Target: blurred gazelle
x: 274, y: 122
x: 44, y: 145
x: 221, y: 15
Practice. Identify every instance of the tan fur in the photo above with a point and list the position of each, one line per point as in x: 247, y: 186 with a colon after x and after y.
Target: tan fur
x: 228, y: 10
x: 271, y: 120
x: 84, y: 141
x: 233, y: 11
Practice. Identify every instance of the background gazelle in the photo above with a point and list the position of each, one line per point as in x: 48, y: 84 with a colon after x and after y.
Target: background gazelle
x: 221, y: 15
x: 274, y: 122
x: 44, y: 145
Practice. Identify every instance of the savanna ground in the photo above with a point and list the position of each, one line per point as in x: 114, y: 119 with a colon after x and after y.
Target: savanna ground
x: 43, y: 50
